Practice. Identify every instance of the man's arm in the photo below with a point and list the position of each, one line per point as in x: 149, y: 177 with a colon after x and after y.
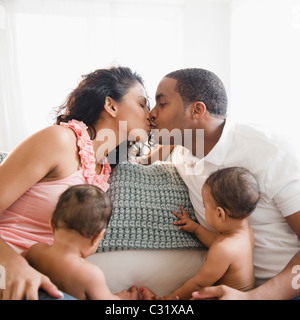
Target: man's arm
x: 294, y: 222
x: 284, y: 286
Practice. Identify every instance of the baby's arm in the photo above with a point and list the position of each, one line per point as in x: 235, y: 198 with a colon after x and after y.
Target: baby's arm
x: 97, y: 289
x: 185, y: 223
x: 216, y: 265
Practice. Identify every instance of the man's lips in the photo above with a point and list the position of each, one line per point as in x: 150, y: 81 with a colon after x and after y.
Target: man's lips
x: 152, y: 125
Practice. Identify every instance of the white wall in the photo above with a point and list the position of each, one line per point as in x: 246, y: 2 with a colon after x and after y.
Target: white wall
x: 253, y: 45
x: 54, y: 42
x: 265, y: 64
x: 207, y: 38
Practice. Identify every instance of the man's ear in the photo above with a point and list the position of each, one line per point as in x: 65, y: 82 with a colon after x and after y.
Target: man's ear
x: 111, y: 107
x: 198, y: 110
x: 221, y: 214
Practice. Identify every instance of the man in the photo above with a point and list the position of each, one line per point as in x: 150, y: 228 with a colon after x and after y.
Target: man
x: 196, y: 99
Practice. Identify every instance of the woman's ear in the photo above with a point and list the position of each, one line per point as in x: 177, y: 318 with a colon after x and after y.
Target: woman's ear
x: 110, y: 107
x: 198, y: 110
x: 221, y: 214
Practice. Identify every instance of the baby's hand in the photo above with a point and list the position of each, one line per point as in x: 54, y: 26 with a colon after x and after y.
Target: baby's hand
x: 131, y: 294
x: 147, y: 294
x: 185, y: 222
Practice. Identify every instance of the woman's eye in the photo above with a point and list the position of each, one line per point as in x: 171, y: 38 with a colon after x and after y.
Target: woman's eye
x: 162, y: 104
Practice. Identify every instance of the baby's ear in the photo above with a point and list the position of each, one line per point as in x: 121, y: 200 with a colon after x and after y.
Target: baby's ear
x: 221, y: 214
x: 51, y: 225
x: 98, y: 237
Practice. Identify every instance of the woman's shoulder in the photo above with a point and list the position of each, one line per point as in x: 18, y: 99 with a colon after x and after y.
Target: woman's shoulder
x: 58, y: 134
x: 53, y: 145
x: 53, y: 139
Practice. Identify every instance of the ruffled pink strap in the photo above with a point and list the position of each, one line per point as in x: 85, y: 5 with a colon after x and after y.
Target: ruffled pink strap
x: 87, y: 156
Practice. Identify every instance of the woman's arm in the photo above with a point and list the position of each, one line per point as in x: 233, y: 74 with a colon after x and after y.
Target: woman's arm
x: 46, y: 154
x: 22, y: 281
x: 50, y: 154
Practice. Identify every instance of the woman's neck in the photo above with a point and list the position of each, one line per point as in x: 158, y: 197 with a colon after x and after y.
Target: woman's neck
x: 109, y: 134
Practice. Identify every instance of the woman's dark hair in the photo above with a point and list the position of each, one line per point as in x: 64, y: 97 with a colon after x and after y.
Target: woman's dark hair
x: 197, y: 84
x: 84, y: 208
x: 235, y: 189
x: 87, y: 101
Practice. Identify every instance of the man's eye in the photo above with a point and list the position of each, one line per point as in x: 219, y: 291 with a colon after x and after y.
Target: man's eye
x: 162, y: 104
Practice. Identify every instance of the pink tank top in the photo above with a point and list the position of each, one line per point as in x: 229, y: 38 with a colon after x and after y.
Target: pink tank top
x: 26, y: 221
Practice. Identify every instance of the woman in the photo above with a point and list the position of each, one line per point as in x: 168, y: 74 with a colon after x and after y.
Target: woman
x: 108, y: 102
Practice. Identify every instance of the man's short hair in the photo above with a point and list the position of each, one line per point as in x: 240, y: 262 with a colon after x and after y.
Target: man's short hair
x: 197, y: 84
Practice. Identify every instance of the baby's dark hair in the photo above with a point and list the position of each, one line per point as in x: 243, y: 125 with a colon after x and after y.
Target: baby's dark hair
x: 84, y: 208
x: 235, y: 189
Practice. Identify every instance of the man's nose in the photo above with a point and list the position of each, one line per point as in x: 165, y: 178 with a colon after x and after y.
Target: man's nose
x: 153, y: 114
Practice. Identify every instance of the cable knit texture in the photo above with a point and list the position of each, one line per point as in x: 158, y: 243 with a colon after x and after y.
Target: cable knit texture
x: 3, y: 155
x: 144, y: 198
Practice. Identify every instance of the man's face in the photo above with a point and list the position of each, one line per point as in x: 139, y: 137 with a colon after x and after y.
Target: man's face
x: 169, y: 112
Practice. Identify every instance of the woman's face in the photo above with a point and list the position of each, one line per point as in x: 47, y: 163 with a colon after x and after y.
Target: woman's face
x: 134, y: 114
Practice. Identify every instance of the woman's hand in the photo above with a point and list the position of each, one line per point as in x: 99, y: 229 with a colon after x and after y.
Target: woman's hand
x: 185, y: 222
x: 23, y: 281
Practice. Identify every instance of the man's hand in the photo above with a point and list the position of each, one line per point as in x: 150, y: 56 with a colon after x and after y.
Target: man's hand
x: 221, y: 292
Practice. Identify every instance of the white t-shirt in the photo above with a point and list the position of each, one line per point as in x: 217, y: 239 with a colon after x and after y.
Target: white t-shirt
x: 277, y: 170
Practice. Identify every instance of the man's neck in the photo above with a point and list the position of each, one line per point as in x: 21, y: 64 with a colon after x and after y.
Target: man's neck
x: 213, y: 129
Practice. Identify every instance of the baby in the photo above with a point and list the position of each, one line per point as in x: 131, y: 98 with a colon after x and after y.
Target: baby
x: 79, y: 223
x: 229, y: 196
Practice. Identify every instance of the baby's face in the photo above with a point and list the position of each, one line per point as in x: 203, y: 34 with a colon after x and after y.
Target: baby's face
x: 211, y: 212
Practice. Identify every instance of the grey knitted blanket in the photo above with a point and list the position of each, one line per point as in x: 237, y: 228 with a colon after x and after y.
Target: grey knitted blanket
x: 144, y: 198
x: 3, y: 155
